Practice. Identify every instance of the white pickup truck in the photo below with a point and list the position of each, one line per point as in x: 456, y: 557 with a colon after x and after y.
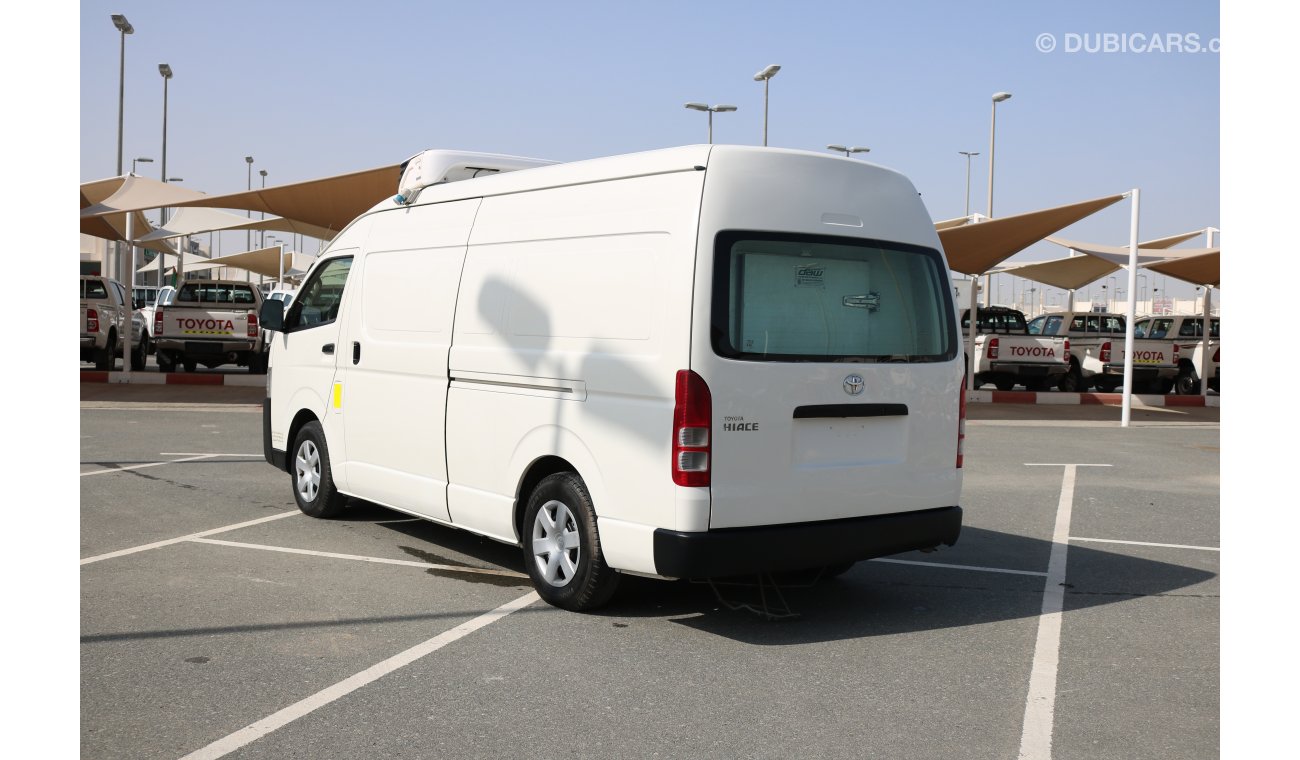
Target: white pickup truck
x: 1006, y: 354
x: 1097, y: 353
x: 104, y: 309
x: 210, y: 322
x: 1185, y: 330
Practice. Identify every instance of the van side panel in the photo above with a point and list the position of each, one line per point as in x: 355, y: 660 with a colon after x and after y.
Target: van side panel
x: 393, y: 355
x: 573, y: 318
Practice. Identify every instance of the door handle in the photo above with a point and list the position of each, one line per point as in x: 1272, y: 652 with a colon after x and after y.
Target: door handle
x: 356, y: 352
x: 328, y: 348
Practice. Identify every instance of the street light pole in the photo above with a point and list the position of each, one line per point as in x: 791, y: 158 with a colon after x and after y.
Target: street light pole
x: 134, y: 161
x: 998, y: 97
x: 765, y: 76
x: 711, y: 110
x: 969, y: 155
x: 166, y: 72
x: 123, y: 26
x: 847, y: 150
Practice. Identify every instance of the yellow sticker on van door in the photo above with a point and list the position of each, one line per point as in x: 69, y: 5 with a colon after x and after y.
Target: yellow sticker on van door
x: 338, y: 397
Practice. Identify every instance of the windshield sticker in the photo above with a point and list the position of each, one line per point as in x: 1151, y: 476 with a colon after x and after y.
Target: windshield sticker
x: 810, y: 276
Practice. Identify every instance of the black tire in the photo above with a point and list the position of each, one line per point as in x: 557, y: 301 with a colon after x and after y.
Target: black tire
x: 257, y: 364
x: 309, y: 470
x: 1187, y: 384
x: 837, y: 569
x: 165, y: 362
x: 1037, y: 384
x: 1004, y: 383
x: 105, y: 357
x: 189, y: 364
x: 1071, y: 381
x: 560, y: 512
x: 140, y: 354
x: 1164, y: 385
x: 1108, y: 384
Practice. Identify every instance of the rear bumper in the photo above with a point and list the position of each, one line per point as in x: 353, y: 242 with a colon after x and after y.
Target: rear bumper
x: 773, y: 548
x: 1142, y: 372
x: 1029, y: 369
x: 206, y: 347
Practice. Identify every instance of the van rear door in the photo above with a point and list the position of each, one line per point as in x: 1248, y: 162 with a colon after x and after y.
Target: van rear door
x: 834, y: 377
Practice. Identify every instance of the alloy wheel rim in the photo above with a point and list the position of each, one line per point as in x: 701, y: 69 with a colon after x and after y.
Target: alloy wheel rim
x: 557, y: 547
x: 308, y: 466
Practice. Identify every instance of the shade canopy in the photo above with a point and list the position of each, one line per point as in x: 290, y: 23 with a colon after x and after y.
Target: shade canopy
x: 196, y: 221
x: 974, y: 249
x: 329, y: 203
x: 1100, y: 260
x: 101, y: 195
x: 1197, y: 268
x: 263, y: 261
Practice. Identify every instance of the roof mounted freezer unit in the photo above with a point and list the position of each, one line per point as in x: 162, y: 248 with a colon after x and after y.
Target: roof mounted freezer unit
x: 434, y: 167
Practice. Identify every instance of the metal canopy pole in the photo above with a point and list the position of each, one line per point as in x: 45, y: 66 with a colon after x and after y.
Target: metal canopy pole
x: 1132, y: 307
x: 1204, y: 369
x: 970, y: 335
x: 128, y: 266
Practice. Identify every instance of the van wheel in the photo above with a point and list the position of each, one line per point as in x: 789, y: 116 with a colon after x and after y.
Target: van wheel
x: 562, y: 547
x: 313, y: 483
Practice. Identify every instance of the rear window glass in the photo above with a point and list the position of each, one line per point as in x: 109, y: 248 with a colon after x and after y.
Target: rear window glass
x: 216, y: 292
x: 93, y: 289
x: 783, y: 297
x: 1097, y: 323
x: 996, y: 321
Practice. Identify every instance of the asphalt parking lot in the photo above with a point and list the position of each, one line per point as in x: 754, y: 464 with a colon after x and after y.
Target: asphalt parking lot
x: 1077, y: 617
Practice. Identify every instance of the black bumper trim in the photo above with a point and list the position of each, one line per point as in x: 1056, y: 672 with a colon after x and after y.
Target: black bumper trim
x: 773, y: 548
x: 837, y: 411
x: 278, y: 459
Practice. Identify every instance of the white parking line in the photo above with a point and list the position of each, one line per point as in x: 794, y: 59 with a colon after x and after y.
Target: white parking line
x: 1146, y: 543
x: 255, y: 731
x: 151, y: 464
x: 1040, y: 705
x: 187, y: 453
x: 961, y: 567
x: 360, y: 558
x: 190, y: 537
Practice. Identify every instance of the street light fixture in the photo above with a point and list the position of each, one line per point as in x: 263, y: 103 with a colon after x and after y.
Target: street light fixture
x: 765, y: 76
x: 846, y: 151
x: 969, y: 155
x: 135, y: 161
x: 711, y: 110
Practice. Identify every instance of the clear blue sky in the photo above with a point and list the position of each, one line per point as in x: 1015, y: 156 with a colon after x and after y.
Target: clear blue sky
x: 314, y: 89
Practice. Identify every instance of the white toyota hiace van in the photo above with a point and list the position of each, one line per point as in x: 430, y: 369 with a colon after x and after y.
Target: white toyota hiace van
x: 695, y: 362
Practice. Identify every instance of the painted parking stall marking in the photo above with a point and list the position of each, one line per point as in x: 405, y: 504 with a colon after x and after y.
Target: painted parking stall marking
x: 255, y: 731
x: 1040, y: 705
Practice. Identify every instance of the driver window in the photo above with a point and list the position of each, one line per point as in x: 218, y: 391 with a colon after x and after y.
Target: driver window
x: 317, y: 303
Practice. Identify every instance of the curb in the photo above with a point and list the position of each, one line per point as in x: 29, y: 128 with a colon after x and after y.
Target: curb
x: 172, y: 378
x: 1108, y: 399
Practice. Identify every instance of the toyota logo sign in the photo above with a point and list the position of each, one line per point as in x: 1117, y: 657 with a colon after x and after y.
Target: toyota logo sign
x: 853, y: 385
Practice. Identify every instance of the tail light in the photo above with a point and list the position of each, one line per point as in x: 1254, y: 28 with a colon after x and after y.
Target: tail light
x: 1175, y: 353
x: 961, y: 426
x: 252, y: 325
x: 1065, y: 357
x: 157, y: 322
x: 692, y: 420
x: 92, y: 321
x: 1105, y: 352
x: 993, y: 348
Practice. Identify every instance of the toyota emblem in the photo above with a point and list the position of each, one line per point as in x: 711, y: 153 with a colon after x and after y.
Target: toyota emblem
x: 853, y: 385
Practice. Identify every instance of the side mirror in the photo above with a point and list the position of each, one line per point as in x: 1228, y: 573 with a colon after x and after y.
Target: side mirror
x: 272, y: 316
